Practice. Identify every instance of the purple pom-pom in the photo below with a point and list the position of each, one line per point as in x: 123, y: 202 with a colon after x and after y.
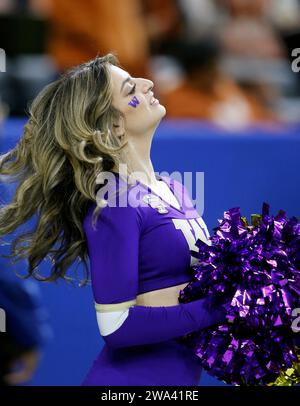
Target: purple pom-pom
x: 254, y: 271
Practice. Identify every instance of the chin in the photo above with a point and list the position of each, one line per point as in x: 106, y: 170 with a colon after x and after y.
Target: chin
x: 158, y: 116
x: 161, y: 113
x: 162, y: 110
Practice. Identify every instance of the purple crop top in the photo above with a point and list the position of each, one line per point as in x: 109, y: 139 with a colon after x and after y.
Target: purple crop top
x: 141, y: 248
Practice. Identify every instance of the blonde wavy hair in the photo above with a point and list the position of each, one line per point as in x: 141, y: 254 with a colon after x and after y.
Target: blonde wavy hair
x: 67, y: 142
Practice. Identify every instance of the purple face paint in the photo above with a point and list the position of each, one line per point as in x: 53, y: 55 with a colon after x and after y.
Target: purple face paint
x: 134, y: 102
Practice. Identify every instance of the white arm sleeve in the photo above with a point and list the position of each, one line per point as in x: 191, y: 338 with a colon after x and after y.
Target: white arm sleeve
x: 109, y: 322
x: 110, y: 317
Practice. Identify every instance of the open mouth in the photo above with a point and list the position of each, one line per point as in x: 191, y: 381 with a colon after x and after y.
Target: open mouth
x: 153, y: 101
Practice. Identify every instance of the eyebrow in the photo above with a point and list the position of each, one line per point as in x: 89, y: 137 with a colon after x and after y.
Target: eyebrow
x: 124, y: 83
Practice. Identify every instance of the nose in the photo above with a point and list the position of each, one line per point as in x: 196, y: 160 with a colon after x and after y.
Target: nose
x: 147, y: 85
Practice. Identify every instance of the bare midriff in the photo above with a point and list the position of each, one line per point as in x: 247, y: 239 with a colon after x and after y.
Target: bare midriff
x: 161, y: 297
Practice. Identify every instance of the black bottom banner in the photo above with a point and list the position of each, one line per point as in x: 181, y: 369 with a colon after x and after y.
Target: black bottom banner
x: 133, y: 395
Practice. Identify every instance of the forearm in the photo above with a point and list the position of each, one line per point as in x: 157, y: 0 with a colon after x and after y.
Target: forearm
x: 146, y: 325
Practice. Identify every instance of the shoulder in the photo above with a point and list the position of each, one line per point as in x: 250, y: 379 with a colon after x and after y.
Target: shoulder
x: 115, y: 208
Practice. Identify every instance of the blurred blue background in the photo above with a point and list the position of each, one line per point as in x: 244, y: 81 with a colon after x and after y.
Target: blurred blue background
x: 240, y: 169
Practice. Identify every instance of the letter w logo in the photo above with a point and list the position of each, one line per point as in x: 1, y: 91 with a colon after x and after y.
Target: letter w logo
x: 134, y: 102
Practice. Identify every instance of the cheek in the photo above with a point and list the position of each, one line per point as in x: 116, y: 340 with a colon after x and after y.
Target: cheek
x: 134, y: 102
x: 137, y: 104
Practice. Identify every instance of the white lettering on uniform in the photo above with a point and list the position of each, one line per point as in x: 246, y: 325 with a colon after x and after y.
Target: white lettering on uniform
x: 193, y: 229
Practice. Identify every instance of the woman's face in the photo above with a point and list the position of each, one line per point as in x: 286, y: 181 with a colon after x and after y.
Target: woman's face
x: 134, y: 98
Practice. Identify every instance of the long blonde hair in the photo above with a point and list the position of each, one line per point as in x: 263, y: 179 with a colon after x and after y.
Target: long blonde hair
x: 68, y: 140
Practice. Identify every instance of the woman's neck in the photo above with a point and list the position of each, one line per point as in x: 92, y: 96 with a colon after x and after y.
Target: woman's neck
x: 140, y: 163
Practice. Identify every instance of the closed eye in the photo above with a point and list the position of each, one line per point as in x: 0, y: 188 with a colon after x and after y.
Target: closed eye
x: 132, y: 90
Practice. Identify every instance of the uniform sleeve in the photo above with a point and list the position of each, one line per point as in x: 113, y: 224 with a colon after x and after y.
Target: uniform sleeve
x: 147, y: 325
x: 113, y: 251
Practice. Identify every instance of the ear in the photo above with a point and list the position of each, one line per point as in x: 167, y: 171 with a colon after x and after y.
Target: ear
x: 119, y: 127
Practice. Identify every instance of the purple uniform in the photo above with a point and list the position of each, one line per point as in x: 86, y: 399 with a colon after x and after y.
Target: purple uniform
x: 137, y: 249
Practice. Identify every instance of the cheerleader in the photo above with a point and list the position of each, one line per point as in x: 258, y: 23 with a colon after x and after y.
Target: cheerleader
x: 83, y: 128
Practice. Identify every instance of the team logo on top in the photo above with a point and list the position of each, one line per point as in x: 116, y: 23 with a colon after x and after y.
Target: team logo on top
x: 156, y: 203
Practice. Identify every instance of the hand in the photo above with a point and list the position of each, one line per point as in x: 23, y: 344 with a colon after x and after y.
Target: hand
x: 29, y: 361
